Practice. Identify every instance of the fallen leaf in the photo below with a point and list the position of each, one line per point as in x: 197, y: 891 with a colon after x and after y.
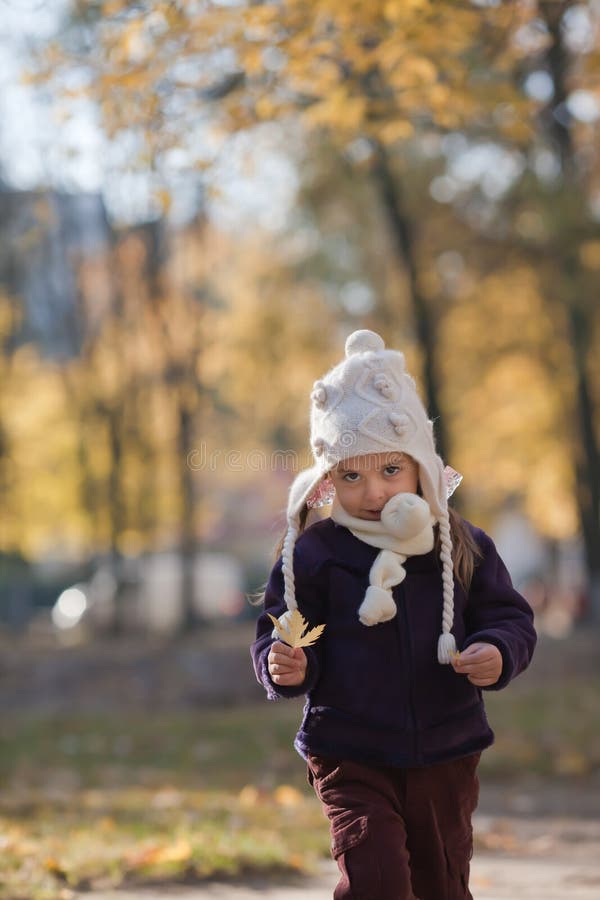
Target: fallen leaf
x: 291, y: 629
x: 180, y: 851
x: 571, y: 762
x: 249, y: 796
x: 286, y: 795
x: 52, y: 865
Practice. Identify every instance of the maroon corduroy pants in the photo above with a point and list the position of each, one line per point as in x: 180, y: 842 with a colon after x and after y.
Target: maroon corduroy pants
x: 399, y: 834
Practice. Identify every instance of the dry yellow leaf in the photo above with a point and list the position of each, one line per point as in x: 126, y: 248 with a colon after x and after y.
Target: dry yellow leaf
x: 572, y: 762
x: 180, y: 851
x: 249, y: 796
x: 286, y: 795
x: 291, y: 629
x: 53, y: 865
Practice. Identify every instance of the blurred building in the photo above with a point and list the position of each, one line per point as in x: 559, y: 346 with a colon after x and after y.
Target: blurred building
x: 43, y: 234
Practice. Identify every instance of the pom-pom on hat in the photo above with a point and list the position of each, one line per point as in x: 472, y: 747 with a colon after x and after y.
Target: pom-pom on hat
x: 366, y: 404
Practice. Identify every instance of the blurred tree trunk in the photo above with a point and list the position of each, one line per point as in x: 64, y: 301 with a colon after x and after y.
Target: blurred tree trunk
x: 188, y: 541
x: 403, y: 231
x: 10, y: 322
x: 181, y: 378
x: 116, y: 509
x: 587, y: 458
x: 89, y: 499
x: 112, y: 412
x: 5, y: 448
x: 581, y: 307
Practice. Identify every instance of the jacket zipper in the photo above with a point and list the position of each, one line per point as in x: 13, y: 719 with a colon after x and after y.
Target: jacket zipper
x: 408, y: 648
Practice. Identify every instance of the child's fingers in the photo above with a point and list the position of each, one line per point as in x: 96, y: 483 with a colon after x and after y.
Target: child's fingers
x: 283, y: 659
x: 277, y: 665
x: 476, y: 655
x: 480, y: 681
x: 287, y: 666
x: 480, y: 673
x: 290, y: 680
x: 474, y: 665
x: 287, y: 671
x: 481, y: 663
x: 287, y: 662
x: 283, y: 649
x: 476, y: 651
x: 480, y: 650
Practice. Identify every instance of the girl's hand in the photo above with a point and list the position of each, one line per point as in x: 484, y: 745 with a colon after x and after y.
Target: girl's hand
x: 481, y: 663
x: 287, y: 666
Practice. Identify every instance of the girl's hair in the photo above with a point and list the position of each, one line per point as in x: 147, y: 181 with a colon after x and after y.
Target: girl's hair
x: 465, y: 551
x: 257, y: 598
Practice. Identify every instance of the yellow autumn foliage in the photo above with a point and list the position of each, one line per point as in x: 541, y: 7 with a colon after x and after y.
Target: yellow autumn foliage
x: 348, y: 67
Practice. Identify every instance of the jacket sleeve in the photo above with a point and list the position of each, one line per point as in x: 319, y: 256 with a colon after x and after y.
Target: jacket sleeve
x: 310, y: 596
x: 497, y: 614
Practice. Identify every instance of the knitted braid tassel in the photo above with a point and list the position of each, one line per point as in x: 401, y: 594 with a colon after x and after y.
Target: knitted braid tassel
x: 446, y: 641
x: 287, y: 568
x: 287, y: 563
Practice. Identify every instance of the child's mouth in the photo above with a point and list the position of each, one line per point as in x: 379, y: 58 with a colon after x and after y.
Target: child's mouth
x: 372, y: 514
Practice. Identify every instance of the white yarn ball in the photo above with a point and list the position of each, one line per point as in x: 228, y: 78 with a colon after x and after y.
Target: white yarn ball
x: 364, y: 341
x: 405, y: 515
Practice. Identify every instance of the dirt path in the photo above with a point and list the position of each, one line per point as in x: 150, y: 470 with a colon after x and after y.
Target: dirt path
x: 548, y: 858
x: 493, y: 878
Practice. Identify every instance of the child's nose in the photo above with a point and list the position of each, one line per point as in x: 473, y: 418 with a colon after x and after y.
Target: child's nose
x: 375, y: 492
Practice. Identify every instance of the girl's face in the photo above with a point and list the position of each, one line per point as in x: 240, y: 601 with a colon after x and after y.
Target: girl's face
x: 364, y: 484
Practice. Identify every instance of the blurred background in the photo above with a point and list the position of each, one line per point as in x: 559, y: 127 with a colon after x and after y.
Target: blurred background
x: 199, y: 201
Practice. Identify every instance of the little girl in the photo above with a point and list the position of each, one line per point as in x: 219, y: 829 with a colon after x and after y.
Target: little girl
x: 394, y: 721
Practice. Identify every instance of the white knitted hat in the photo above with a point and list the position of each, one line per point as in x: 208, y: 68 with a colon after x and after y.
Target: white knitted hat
x: 369, y: 404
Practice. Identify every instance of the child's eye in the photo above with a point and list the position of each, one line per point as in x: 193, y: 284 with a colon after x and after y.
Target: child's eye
x: 351, y: 477
x: 391, y: 470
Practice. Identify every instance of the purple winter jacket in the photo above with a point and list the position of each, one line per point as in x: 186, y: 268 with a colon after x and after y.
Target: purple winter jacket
x: 378, y: 694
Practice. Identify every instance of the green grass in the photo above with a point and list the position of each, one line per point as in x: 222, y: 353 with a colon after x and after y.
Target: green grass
x: 212, y: 748
x: 551, y: 730
x: 98, y: 801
